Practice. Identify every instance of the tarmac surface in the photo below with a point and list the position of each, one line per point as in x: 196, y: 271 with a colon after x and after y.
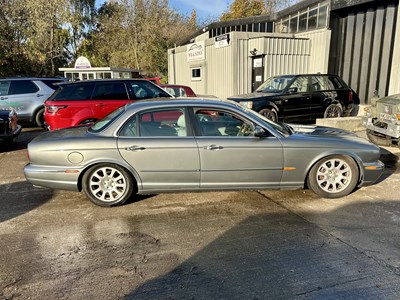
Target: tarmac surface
x: 220, y: 245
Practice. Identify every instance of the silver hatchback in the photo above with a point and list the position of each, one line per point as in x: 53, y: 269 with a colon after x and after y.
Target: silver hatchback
x: 198, y: 145
x: 27, y: 95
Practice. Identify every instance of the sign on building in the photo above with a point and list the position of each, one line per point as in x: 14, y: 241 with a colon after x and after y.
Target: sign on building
x: 82, y: 63
x: 223, y: 40
x: 196, y: 51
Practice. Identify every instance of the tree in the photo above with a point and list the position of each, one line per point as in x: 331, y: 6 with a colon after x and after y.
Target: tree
x: 248, y: 8
x: 136, y: 34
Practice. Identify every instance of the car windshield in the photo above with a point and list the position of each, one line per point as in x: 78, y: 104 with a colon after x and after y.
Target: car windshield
x: 275, y: 84
x: 103, y: 123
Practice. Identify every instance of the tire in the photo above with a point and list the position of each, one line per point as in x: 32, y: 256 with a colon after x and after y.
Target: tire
x: 88, y: 121
x: 107, y: 185
x: 378, y: 139
x: 334, y: 176
x: 39, y: 118
x: 270, y: 114
x: 333, y: 111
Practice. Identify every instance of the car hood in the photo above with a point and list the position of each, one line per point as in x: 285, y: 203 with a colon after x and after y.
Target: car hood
x: 252, y: 96
x: 322, y: 132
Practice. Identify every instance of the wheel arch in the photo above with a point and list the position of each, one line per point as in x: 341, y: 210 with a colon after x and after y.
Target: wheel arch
x: 269, y: 105
x: 37, y: 109
x: 350, y: 154
x: 132, y: 171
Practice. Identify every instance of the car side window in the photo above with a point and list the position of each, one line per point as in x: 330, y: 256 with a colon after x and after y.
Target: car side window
x: 167, y: 122
x: 4, y: 88
x: 222, y: 124
x: 75, y: 92
x: 301, y: 83
x: 335, y: 82
x: 317, y: 84
x: 23, y: 87
x: 110, y: 91
x: 146, y: 90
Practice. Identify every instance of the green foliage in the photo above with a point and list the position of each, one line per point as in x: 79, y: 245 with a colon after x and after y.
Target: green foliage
x: 40, y: 36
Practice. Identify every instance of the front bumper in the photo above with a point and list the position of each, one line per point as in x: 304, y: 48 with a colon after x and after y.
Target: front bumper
x: 53, y: 177
x: 372, y: 172
x: 12, y: 135
x: 391, y: 130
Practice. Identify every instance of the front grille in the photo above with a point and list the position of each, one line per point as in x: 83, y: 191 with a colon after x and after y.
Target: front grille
x: 4, y: 126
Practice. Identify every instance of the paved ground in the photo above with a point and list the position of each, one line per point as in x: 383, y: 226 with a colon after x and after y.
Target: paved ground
x: 231, y: 245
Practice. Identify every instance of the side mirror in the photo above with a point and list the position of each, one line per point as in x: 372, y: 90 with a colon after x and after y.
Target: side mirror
x: 259, y: 132
x: 292, y: 90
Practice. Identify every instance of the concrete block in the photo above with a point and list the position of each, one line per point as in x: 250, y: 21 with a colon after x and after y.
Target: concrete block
x: 346, y: 123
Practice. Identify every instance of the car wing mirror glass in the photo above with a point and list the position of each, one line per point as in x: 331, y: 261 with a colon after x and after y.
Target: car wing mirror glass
x: 292, y: 90
x: 259, y: 132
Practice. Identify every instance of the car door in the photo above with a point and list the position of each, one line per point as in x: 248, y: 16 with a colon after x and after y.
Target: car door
x: 21, y: 96
x: 296, y: 101
x: 107, y: 97
x: 162, y: 149
x: 231, y: 156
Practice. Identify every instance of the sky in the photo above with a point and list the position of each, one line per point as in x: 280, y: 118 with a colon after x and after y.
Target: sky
x: 206, y: 9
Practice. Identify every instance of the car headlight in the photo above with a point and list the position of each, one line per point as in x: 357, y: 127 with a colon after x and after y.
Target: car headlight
x: 248, y: 104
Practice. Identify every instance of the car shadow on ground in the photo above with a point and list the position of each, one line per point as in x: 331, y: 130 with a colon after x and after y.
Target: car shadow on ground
x: 390, y: 159
x: 19, y: 198
x: 283, y: 256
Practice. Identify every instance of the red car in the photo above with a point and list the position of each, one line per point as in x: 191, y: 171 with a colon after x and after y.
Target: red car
x: 84, y: 102
x: 178, y: 90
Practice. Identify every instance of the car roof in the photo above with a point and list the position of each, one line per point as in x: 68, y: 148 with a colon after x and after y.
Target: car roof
x: 34, y: 78
x: 182, y: 101
x: 107, y: 80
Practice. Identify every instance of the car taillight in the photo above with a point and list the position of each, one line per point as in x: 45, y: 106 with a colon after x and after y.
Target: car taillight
x: 52, y: 109
x: 350, y: 96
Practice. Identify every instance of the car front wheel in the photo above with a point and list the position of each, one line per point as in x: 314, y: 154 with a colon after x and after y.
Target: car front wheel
x: 269, y: 113
x: 107, y: 185
x: 39, y: 118
x: 334, y: 176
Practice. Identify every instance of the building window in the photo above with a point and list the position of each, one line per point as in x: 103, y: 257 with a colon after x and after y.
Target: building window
x: 196, y: 74
x: 322, y: 20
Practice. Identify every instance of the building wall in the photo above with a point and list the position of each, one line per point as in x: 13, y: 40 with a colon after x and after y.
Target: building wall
x: 394, y: 85
x: 363, y: 47
x: 227, y: 71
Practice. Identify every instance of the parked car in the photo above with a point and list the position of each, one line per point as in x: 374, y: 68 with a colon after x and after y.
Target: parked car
x: 84, y: 102
x: 198, y: 145
x: 301, y: 98
x: 382, y: 120
x: 178, y: 90
x: 9, y: 128
x: 155, y: 80
x: 27, y: 95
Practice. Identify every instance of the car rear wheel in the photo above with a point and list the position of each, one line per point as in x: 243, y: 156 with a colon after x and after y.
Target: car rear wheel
x: 270, y: 114
x: 39, y: 118
x: 378, y: 139
x: 333, y: 176
x: 333, y: 111
x: 107, y: 185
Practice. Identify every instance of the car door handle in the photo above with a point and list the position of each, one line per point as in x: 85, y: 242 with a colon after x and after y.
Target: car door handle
x: 213, y: 147
x: 99, y: 104
x: 135, y: 148
x: 39, y: 95
x: 3, y: 98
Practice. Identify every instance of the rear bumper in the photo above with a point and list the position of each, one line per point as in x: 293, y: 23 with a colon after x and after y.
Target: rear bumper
x: 52, y: 177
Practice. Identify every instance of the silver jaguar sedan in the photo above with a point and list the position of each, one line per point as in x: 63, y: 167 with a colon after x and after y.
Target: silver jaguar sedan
x: 198, y: 145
